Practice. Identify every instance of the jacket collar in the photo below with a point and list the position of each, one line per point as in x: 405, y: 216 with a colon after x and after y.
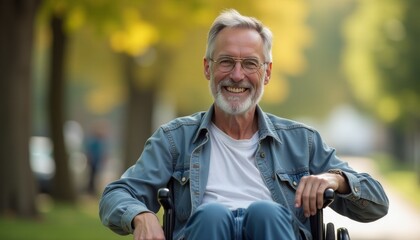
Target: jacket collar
x: 265, y: 125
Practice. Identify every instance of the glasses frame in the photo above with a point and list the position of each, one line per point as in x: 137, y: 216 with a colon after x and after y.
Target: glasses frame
x: 240, y: 60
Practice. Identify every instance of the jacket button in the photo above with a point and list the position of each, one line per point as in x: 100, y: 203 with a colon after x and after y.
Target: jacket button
x: 183, y: 179
x: 262, y: 154
x: 294, y: 183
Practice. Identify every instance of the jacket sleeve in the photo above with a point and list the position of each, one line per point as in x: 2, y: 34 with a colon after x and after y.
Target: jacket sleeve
x: 136, y: 191
x: 367, y: 200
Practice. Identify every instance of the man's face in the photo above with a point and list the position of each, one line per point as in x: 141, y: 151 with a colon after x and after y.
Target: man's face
x: 236, y: 91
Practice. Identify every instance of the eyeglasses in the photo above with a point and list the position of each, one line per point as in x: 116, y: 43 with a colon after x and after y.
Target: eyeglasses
x: 227, y: 64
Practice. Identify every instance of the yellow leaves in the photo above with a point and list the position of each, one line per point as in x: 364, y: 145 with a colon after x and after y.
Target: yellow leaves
x: 291, y: 35
x: 276, y: 91
x: 388, y: 109
x: 394, y: 29
x: 287, y: 21
x: 359, y: 58
x: 369, y: 52
x: 202, y: 17
x: 75, y: 19
x: 361, y: 75
x: 136, y: 35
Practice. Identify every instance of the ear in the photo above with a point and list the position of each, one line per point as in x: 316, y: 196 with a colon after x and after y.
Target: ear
x: 268, y: 73
x: 206, y: 65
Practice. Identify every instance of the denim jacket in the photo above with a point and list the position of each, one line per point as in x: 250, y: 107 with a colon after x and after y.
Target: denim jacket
x: 178, y: 154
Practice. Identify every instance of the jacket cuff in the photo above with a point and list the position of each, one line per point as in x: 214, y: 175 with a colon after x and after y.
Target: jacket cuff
x: 354, y: 185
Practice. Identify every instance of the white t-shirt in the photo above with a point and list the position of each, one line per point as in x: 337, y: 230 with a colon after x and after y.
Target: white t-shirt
x: 234, y: 179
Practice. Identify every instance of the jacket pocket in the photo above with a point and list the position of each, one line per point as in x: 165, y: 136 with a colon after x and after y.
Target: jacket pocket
x: 289, y: 183
x: 181, y: 177
x: 292, y: 179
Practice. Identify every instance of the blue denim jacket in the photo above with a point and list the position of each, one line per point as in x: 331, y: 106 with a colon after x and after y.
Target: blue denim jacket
x: 178, y: 153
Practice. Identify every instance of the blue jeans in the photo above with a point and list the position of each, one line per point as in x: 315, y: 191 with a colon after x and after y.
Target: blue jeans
x: 261, y: 220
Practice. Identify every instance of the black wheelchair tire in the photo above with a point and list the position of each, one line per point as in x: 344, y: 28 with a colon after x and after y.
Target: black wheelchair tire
x: 330, y: 232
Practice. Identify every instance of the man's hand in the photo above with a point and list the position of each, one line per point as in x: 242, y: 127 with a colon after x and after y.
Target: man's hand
x: 147, y: 226
x: 310, y: 192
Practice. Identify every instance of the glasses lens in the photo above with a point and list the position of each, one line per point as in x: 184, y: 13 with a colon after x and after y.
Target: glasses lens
x: 250, y: 65
x: 226, y: 64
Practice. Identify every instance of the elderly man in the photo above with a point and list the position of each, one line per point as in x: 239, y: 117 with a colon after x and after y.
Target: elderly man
x: 235, y: 171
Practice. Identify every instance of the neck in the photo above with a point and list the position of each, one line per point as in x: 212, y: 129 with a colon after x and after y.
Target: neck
x: 241, y: 126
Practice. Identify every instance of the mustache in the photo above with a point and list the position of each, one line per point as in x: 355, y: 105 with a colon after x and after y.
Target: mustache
x: 231, y: 83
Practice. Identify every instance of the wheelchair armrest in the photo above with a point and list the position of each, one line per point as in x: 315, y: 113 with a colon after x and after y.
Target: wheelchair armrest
x: 317, y: 221
x: 329, y: 195
x: 165, y: 200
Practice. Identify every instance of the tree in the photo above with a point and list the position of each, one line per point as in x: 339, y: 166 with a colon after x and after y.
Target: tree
x: 309, y: 58
x: 381, y: 62
x: 63, y: 187
x: 17, y: 184
x: 159, y: 40
x: 54, y: 14
x: 64, y: 18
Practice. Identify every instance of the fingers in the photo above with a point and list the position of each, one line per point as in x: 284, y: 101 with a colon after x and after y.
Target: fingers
x: 309, y: 197
x: 310, y: 194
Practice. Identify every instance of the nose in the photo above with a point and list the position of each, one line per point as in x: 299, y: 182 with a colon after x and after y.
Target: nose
x: 237, y: 73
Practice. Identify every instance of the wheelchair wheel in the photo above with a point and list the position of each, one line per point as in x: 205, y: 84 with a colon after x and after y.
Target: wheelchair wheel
x: 330, y: 232
x: 343, y: 234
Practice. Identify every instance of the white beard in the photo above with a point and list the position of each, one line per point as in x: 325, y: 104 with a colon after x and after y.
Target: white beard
x: 233, y: 105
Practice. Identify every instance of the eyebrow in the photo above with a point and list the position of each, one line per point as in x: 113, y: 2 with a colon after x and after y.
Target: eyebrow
x: 230, y: 56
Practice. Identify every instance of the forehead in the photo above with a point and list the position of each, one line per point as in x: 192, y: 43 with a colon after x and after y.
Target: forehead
x: 238, y: 42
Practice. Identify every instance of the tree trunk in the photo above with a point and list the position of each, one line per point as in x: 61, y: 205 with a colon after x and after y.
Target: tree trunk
x: 17, y: 183
x: 139, y: 114
x: 63, y: 187
x: 141, y: 103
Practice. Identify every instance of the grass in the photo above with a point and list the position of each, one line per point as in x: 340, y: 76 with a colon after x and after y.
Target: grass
x: 401, y: 177
x: 60, y: 221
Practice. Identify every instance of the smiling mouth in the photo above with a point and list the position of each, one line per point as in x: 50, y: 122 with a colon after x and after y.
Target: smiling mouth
x: 235, y: 89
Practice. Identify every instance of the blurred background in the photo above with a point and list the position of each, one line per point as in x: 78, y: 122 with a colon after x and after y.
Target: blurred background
x: 85, y: 82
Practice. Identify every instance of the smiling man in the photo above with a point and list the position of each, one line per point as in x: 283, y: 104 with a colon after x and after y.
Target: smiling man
x: 238, y: 84
x: 235, y: 171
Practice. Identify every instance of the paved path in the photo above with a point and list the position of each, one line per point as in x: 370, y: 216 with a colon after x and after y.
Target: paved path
x: 401, y: 223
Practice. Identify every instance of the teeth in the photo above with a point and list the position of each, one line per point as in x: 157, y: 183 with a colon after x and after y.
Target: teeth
x: 235, y: 89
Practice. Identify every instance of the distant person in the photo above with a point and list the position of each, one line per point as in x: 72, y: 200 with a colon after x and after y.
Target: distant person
x: 235, y: 171
x: 96, y: 154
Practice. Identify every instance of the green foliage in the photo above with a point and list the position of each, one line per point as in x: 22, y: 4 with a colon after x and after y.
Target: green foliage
x: 318, y: 84
x: 61, y: 222
x: 382, y: 57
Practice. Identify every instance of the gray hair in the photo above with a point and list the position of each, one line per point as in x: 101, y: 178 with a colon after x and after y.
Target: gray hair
x: 233, y: 19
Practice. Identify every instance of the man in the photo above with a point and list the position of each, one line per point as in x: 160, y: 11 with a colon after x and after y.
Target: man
x: 235, y: 171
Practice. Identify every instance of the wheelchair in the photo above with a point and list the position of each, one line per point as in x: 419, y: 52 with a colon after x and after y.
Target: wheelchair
x: 319, y: 230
